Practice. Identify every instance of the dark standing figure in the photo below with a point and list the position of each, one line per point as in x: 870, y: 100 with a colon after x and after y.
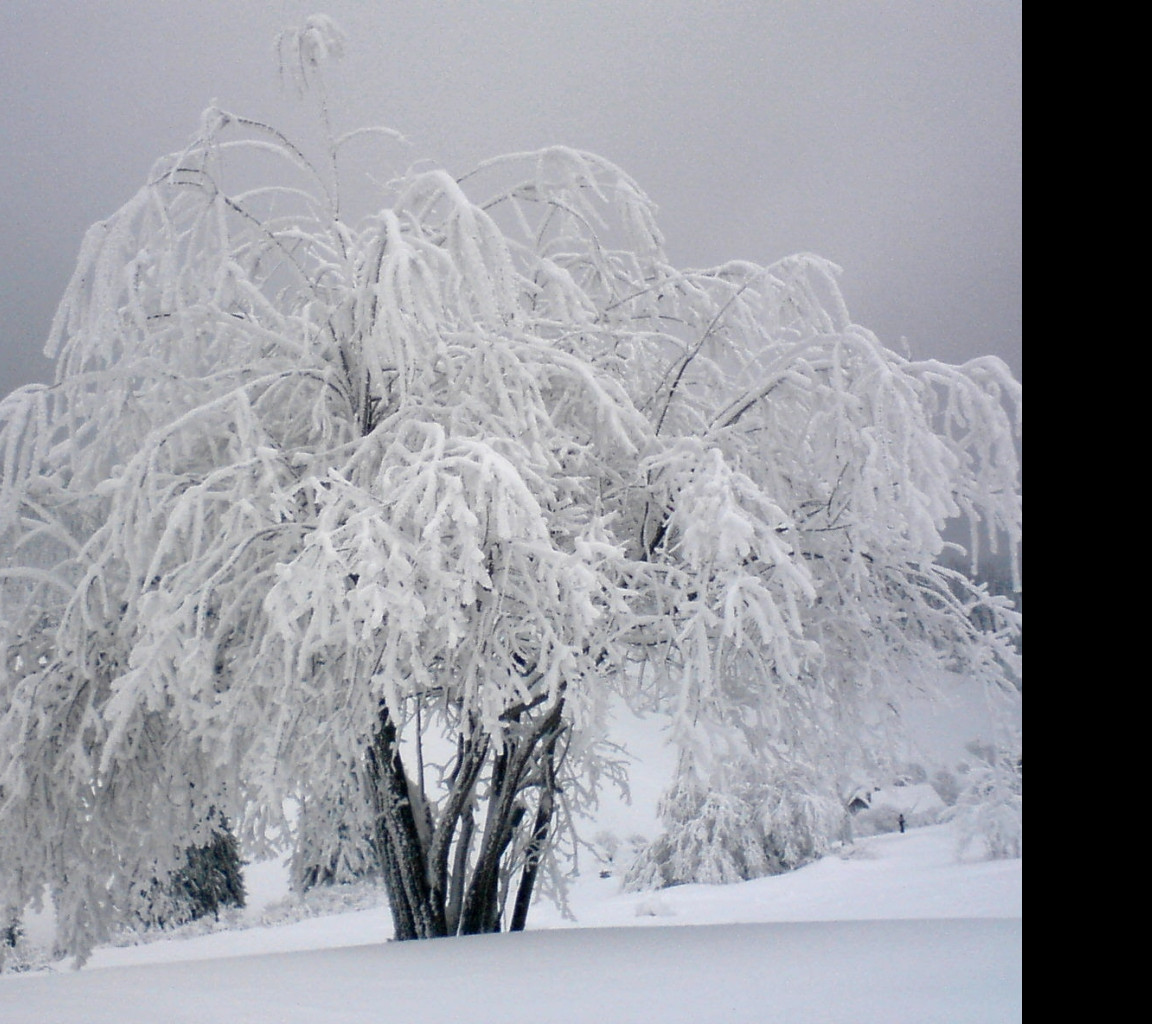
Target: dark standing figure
x: 900, y: 822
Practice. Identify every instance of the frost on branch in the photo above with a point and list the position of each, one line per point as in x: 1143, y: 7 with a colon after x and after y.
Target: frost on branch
x: 369, y: 517
x: 304, y: 52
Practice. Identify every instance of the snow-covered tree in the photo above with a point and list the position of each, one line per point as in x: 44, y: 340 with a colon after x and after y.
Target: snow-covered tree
x: 359, y: 522
x: 210, y: 880
x: 989, y: 811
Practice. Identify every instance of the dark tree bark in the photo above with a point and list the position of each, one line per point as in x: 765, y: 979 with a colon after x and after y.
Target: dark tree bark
x: 538, y: 842
x: 403, y: 857
x: 451, y: 877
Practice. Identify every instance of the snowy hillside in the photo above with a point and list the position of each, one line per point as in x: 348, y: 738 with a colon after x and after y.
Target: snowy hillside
x: 894, y: 931
x: 891, y: 928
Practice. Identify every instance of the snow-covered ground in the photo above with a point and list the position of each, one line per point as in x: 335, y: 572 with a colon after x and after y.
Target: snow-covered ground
x: 890, y: 929
x: 895, y: 930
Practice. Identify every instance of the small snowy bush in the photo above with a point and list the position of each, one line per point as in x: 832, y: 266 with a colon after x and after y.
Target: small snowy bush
x: 989, y: 811
x: 947, y: 786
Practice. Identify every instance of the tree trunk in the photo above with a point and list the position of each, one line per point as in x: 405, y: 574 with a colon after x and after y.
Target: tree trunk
x: 403, y: 857
x: 538, y: 843
x: 427, y: 898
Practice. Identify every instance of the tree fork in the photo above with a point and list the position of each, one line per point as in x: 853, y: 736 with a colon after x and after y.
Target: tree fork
x: 469, y: 763
x: 481, y: 911
x: 536, y: 845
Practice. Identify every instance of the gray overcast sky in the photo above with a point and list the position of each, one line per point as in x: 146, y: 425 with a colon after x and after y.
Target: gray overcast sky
x: 885, y: 136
